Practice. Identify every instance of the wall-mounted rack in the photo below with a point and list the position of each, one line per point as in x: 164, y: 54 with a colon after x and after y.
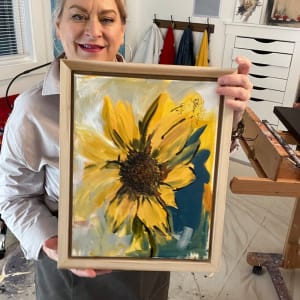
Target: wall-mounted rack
x: 179, y: 25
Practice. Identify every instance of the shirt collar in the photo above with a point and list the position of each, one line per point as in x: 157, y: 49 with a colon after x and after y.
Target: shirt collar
x: 51, y: 80
x: 51, y: 84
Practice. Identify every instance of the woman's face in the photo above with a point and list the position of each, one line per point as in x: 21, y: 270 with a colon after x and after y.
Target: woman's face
x: 90, y: 29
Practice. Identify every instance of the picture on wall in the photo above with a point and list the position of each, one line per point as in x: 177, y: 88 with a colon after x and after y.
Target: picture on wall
x: 248, y: 11
x: 284, y: 12
x: 144, y: 160
x: 208, y: 8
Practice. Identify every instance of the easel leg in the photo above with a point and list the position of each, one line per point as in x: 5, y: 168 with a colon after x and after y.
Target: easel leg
x: 291, y: 254
x: 289, y: 260
x: 272, y: 262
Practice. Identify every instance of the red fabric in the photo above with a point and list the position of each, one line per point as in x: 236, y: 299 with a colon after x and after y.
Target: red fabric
x: 4, y: 113
x: 167, y: 55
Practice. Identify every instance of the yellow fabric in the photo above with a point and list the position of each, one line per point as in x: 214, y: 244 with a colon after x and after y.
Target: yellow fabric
x: 202, y: 57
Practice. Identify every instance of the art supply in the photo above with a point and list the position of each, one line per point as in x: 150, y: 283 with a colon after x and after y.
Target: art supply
x: 293, y: 156
x: 289, y: 117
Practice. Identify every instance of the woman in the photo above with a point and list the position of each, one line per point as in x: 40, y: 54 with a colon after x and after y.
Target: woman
x: 29, y: 174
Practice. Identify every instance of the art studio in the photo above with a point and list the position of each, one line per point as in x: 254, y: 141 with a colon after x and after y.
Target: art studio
x: 149, y: 150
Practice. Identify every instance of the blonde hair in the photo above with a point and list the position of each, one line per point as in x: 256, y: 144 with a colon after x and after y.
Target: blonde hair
x: 59, y: 6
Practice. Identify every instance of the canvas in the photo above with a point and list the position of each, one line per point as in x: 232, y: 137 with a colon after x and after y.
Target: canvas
x: 143, y: 166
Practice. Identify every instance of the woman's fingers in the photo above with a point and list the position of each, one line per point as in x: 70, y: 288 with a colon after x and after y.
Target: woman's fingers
x: 90, y: 273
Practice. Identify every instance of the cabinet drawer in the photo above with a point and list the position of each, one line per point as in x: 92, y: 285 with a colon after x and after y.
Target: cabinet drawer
x: 269, y: 58
x: 267, y: 94
x: 271, y: 71
x: 264, y: 44
x: 267, y: 70
x: 264, y: 110
x: 268, y: 82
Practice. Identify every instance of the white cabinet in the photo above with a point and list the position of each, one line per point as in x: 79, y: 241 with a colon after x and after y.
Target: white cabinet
x: 275, y: 55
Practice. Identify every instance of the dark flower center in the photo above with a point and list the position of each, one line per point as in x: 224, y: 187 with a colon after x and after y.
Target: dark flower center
x: 141, y: 173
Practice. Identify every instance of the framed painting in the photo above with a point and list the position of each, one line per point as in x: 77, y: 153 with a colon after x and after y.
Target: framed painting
x: 144, y: 152
x: 248, y: 11
x: 283, y: 13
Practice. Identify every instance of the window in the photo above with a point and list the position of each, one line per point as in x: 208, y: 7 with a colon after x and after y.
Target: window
x: 25, y: 35
x: 11, y: 22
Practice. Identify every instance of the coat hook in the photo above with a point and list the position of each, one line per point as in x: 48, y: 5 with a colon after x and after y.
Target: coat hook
x: 208, y: 27
x: 189, y: 25
x: 172, y: 22
x: 208, y: 30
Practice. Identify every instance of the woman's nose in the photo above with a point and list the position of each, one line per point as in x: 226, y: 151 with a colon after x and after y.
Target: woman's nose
x: 93, y: 28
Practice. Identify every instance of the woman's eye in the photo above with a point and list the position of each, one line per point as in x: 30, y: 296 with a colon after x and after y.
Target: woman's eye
x: 78, y: 17
x: 106, y: 20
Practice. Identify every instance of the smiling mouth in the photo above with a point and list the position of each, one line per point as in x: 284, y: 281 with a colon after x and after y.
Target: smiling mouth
x: 90, y: 47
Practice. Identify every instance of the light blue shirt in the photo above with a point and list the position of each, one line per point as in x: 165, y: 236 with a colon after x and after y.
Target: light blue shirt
x: 29, y: 160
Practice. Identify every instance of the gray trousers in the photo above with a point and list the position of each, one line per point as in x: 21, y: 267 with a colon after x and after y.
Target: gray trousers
x: 54, y: 284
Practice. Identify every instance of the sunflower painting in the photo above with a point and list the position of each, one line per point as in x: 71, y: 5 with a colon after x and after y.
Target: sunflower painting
x: 143, y: 164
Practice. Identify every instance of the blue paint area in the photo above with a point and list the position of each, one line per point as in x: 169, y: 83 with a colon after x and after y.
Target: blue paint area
x: 190, y: 224
x: 189, y: 199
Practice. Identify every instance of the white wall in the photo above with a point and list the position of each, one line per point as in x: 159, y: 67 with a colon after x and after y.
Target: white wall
x: 141, y: 14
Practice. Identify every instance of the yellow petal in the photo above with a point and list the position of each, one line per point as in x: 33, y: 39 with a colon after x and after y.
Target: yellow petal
x: 96, y: 188
x: 173, y: 141
x: 93, y: 146
x: 169, y: 127
x: 153, y: 215
x: 126, y: 122
x: 167, y: 195
x: 207, y: 198
x: 119, y: 123
x: 119, y: 210
x: 165, y: 105
x: 94, y: 174
x: 139, y: 245
x: 180, y: 176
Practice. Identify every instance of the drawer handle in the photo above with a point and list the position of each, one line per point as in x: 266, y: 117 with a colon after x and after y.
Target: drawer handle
x: 256, y: 100
x: 261, y: 52
x: 264, y: 40
x: 260, y: 65
x: 258, y: 76
x: 258, y: 88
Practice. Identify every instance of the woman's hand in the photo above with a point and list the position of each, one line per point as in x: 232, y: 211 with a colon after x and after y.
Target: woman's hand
x: 237, y: 89
x: 50, y: 248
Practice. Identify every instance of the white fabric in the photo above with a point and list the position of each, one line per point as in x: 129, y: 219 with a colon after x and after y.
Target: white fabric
x: 149, y: 48
x: 252, y: 224
x: 29, y: 176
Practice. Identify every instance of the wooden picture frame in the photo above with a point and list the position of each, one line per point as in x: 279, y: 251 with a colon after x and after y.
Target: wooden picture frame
x: 144, y: 152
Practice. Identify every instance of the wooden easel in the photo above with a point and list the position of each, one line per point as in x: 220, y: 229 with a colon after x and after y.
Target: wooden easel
x: 277, y: 176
